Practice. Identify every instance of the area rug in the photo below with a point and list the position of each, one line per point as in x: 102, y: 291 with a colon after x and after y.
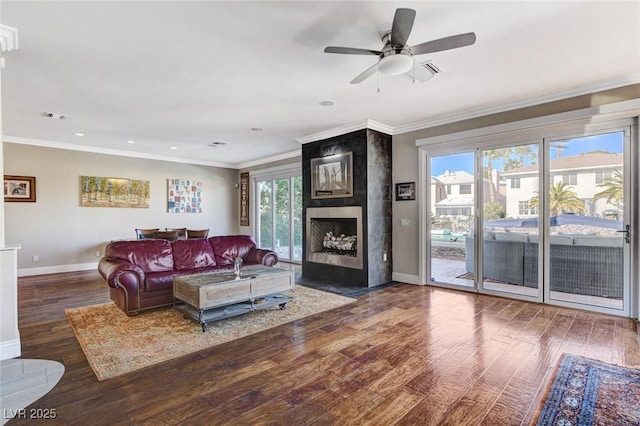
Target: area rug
x: 116, y: 344
x: 586, y: 392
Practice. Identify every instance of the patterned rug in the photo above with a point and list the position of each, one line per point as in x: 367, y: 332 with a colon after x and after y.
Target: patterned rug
x: 586, y: 392
x: 116, y: 344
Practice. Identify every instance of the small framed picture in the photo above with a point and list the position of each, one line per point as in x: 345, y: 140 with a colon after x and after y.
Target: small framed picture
x: 20, y: 189
x: 405, y: 191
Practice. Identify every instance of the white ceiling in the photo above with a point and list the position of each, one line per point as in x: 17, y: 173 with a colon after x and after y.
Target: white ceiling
x: 186, y: 74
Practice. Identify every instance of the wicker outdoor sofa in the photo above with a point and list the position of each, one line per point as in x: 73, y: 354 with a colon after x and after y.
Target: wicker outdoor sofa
x: 580, y: 264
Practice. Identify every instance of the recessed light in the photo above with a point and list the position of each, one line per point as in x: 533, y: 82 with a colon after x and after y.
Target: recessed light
x: 131, y: 141
x: 174, y: 148
x: 216, y: 144
x: 79, y: 134
x: 326, y: 103
x: 256, y: 129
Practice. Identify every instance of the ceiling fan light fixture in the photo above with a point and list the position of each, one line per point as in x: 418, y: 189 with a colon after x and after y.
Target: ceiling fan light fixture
x: 395, y: 64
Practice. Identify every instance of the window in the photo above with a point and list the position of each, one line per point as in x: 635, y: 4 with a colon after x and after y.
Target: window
x: 465, y: 189
x: 449, y: 189
x: 515, y: 182
x: 525, y: 209
x: 601, y: 177
x: 570, y: 178
x: 278, y: 211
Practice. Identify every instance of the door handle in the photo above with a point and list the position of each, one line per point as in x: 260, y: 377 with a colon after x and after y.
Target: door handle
x: 627, y: 234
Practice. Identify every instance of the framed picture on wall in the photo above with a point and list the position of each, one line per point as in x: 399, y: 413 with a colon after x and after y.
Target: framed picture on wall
x: 20, y: 189
x: 244, y: 199
x: 405, y: 191
x: 332, y: 176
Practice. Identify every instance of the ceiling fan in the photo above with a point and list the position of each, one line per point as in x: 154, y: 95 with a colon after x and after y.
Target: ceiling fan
x: 396, y: 57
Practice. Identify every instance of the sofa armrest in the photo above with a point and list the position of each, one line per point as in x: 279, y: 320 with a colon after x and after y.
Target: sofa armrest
x: 121, y: 274
x: 261, y: 256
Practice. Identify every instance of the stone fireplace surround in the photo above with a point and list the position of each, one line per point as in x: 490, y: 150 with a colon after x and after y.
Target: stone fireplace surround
x: 372, y: 193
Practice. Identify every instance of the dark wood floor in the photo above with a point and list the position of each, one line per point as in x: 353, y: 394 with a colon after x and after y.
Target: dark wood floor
x: 406, y: 355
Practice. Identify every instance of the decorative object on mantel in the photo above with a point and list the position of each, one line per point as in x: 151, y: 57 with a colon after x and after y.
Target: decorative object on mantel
x: 114, y: 192
x: 585, y: 392
x: 244, y: 199
x: 184, y: 196
x: 116, y: 344
x: 20, y: 188
x: 332, y: 176
x: 405, y: 191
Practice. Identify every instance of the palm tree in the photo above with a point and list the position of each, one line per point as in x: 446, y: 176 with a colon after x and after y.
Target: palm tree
x: 613, y: 192
x: 562, y: 198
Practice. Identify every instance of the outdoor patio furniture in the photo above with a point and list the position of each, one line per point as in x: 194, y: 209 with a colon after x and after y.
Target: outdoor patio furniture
x: 585, y: 265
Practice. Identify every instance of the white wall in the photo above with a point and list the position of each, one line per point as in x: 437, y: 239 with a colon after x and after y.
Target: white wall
x: 65, y: 236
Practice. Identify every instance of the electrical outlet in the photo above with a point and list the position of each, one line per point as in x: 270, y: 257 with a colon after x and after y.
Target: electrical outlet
x: 34, y: 259
x: 98, y: 254
x: 384, y: 256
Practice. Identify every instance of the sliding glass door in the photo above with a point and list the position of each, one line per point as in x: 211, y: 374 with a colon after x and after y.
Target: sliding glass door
x: 586, y: 209
x: 510, y: 176
x: 541, y: 218
x: 279, y: 216
x: 451, y: 218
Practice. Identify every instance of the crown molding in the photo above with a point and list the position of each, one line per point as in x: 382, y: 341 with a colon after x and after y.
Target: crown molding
x: 347, y: 128
x: 601, y: 85
x: 107, y: 151
x: 278, y: 157
x: 8, y: 38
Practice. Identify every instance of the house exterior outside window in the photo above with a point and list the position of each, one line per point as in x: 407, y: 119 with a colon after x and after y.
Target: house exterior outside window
x: 581, y: 172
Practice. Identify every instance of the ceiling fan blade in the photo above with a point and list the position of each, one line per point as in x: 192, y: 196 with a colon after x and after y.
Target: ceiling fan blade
x: 446, y: 43
x: 419, y: 72
x: 402, y: 25
x: 350, y: 51
x: 365, y: 74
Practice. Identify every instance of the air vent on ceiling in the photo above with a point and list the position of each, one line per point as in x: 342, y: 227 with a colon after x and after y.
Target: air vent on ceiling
x: 432, y: 67
x: 54, y: 115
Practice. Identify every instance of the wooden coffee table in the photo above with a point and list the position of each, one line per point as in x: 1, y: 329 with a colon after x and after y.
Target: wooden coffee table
x: 217, y: 295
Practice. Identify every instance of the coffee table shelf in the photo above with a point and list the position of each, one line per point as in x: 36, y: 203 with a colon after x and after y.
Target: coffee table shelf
x: 205, y: 316
x: 218, y: 295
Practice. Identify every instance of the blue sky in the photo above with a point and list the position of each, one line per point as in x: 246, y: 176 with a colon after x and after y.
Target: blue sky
x: 611, y: 142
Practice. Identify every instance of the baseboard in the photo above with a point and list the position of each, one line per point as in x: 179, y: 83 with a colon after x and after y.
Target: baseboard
x: 27, y: 272
x: 405, y: 278
x: 10, y: 349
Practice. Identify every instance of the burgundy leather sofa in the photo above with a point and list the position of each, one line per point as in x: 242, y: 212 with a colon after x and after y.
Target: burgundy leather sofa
x: 140, y: 272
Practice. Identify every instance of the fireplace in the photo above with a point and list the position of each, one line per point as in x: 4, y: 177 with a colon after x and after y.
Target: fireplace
x: 334, y: 236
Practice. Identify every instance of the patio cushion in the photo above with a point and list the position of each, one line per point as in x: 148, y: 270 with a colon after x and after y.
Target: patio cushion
x: 511, y: 236
x: 598, y: 241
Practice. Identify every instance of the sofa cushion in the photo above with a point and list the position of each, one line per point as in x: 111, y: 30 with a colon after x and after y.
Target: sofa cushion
x: 149, y: 255
x: 193, y: 253
x: 228, y: 247
x: 162, y: 280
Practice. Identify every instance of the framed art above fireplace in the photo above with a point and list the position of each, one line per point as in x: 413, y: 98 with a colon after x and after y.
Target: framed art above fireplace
x: 332, y: 176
